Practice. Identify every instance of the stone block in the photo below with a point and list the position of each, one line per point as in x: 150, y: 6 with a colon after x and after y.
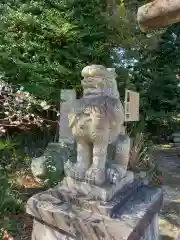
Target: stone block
x: 40, y: 230
x: 61, y: 215
x: 104, y: 192
x: 68, y: 98
x: 51, y: 164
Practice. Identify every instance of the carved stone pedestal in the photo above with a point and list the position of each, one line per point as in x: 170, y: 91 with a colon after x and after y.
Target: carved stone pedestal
x: 102, y: 193
x: 51, y: 163
x: 131, y: 214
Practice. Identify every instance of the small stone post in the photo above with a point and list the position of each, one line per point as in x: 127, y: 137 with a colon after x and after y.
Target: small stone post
x: 67, y: 98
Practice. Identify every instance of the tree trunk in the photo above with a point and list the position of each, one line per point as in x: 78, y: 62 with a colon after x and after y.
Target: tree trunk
x: 158, y: 14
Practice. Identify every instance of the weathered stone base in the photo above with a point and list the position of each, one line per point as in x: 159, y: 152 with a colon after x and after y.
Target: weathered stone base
x: 42, y: 231
x: 152, y: 231
x: 103, y: 193
x: 61, y: 215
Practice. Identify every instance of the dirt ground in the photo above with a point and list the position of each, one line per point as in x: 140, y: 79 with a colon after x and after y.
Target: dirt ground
x: 24, y: 222
x: 168, y: 160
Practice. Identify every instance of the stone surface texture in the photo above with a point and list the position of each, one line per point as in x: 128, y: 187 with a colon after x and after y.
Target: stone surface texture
x: 152, y: 231
x: 98, y: 199
x: 97, y: 120
x: 60, y: 214
x: 68, y: 98
x: 45, y: 232
x: 157, y: 14
x: 52, y: 161
x: 104, y: 192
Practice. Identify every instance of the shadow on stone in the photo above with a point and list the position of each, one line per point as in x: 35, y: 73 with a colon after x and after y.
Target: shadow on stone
x: 165, y: 237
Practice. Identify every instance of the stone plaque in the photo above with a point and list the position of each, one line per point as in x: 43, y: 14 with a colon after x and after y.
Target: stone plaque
x: 67, y: 97
x: 131, y: 106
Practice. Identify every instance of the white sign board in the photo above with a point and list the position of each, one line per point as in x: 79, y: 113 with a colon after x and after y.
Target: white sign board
x: 131, y: 106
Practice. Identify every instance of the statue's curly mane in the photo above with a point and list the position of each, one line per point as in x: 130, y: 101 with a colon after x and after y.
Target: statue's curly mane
x: 100, y: 107
x: 101, y: 104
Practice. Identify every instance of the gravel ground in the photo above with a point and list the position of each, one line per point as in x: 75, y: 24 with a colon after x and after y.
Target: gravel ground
x: 169, y: 219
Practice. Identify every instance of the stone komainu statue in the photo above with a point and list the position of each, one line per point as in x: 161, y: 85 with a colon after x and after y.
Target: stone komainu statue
x: 96, y: 121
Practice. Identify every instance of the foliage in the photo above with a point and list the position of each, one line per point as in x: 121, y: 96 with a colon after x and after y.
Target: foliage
x: 153, y: 70
x: 152, y: 66
x: 43, y: 47
x: 155, y: 77
x: 159, y: 91
x: 141, y: 160
x: 140, y: 152
x: 20, y: 109
x: 8, y: 153
x: 141, y: 147
x: 10, y: 203
x: 45, y: 44
x: 18, y: 149
x: 133, y: 5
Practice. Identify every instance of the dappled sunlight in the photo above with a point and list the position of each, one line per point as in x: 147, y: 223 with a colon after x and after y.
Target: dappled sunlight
x: 167, y: 229
x: 165, y: 146
x: 169, y: 218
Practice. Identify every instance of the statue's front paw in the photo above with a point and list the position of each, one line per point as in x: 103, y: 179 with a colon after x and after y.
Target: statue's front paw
x: 76, y: 170
x: 95, y: 176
